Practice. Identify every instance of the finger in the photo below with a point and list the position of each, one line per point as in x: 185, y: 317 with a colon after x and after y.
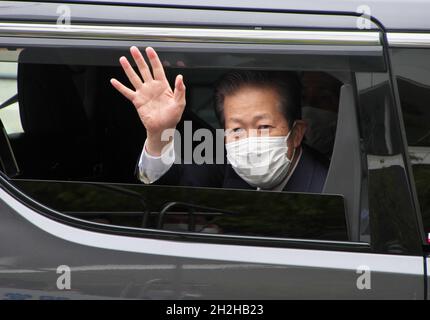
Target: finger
x: 157, y: 67
x: 179, y: 93
x: 131, y: 74
x: 126, y: 92
x: 141, y: 64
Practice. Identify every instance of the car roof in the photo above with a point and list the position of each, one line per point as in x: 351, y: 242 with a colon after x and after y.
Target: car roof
x: 389, y: 12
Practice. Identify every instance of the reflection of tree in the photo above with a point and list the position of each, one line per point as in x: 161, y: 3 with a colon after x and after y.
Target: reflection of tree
x: 258, y: 213
x: 415, y: 100
x: 78, y: 196
x: 392, y: 218
x: 82, y: 197
x: 299, y: 217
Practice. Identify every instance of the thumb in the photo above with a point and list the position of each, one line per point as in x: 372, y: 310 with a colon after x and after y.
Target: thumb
x: 179, y: 93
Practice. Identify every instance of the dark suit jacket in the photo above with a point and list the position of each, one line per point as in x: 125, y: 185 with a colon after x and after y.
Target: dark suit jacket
x: 309, y: 175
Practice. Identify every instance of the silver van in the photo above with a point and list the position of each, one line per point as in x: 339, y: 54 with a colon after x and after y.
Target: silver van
x: 76, y: 223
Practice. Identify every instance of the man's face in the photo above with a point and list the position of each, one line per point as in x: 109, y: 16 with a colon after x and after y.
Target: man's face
x: 255, y: 111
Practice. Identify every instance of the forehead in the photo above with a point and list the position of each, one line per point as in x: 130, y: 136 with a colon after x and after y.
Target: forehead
x: 252, y: 102
x: 252, y: 95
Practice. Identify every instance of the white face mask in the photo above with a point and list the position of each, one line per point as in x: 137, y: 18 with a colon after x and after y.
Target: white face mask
x: 321, y: 128
x: 260, y: 161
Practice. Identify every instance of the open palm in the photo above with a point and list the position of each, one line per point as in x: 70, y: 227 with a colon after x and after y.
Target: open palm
x: 159, y: 107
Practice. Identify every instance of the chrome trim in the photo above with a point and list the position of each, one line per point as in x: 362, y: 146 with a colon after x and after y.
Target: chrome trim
x: 190, y: 34
x: 408, y: 39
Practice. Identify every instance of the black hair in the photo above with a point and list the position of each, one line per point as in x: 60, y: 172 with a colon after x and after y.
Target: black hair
x: 286, y: 83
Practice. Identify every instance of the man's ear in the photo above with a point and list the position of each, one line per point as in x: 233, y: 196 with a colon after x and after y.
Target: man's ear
x: 299, y: 132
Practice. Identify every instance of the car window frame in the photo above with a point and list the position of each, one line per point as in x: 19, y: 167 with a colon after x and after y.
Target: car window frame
x: 127, y: 45
x: 410, y: 42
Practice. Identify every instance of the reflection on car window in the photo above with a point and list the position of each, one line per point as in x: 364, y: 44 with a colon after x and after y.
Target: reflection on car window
x: 80, y: 132
x: 198, y: 210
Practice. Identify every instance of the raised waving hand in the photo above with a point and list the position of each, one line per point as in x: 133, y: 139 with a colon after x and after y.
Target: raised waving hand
x: 159, y: 107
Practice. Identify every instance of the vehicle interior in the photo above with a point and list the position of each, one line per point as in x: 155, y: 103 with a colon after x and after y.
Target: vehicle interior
x: 76, y: 127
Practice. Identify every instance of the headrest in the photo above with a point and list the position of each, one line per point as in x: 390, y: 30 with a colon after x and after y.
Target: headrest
x: 49, y: 100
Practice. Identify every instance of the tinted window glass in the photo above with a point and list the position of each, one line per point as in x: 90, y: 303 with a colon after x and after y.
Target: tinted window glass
x: 413, y: 80
x: 202, y: 210
x: 392, y: 223
x: 9, y: 112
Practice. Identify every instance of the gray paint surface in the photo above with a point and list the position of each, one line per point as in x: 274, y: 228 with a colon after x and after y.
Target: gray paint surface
x: 30, y: 257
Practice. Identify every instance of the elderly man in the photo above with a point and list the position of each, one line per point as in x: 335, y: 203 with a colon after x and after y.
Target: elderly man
x: 260, y: 112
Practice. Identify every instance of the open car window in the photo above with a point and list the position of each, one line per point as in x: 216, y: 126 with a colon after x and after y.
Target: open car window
x: 81, y: 142
x: 413, y: 81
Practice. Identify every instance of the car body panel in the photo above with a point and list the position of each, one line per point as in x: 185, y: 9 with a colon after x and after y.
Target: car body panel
x: 106, y: 266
